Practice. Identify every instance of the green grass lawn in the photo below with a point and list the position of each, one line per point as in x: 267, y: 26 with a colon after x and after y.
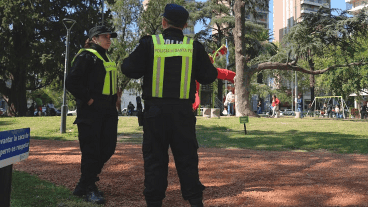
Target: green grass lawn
x: 288, y: 133
x: 30, y: 191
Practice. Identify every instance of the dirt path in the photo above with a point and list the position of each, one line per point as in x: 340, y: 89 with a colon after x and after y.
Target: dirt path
x: 233, y: 177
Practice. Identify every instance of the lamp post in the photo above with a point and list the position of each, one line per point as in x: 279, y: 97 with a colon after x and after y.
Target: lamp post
x: 68, y: 23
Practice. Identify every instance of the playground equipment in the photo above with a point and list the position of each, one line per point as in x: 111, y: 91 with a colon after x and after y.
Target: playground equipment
x: 322, y: 101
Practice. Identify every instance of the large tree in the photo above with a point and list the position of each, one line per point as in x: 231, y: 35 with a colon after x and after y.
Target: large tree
x: 219, y: 21
x: 33, y: 40
x: 126, y: 15
x: 345, y: 80
x: 315, y: 33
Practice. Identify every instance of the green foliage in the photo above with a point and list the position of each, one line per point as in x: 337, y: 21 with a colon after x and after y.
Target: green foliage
x: 344, y: 80
x: 33, y: 39
x: 150, y: 20
x: 126, y: 15
x: 318, y: 33
x: 29, y: 191
x: 284, y: 134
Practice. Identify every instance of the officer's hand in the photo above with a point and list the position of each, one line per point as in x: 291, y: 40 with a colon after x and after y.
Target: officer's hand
x: 90, y: 102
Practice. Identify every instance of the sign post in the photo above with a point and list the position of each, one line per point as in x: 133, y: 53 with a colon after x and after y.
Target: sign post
x: 14, y: 147
x: 244, y: 120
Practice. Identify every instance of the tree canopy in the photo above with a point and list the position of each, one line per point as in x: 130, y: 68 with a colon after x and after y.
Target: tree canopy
x: 33, y: 38
x: 314, y: 34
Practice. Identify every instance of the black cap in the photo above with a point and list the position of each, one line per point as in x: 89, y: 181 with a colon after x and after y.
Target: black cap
x: 97, y: 30
x: 176, y: 14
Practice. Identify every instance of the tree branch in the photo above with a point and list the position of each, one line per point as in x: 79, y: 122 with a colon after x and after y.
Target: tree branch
x: 285, y: 66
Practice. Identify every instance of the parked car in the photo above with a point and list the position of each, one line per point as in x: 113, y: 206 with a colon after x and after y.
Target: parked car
x: 58, y: 112
x: 2, y: 112
x: 72, y: 113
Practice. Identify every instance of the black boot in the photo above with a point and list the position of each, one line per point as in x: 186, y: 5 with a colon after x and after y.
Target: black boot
x: 93, y: 195
x: 81, y: 190
x: 154, y: 203
x: 197, y: 202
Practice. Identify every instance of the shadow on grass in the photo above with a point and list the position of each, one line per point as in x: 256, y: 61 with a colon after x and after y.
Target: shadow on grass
x: 333, y: 119
x: 3, y: 122
x: 288, y: 140
x: 130, y: 138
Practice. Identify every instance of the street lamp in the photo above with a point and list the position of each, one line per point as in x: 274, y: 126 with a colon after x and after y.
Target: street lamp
x: 68, y: 23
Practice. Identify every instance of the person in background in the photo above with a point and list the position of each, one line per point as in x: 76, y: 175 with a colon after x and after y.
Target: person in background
x: 275, y: 106
x: 300, y: 105
x: 337, y: 111
x: 310, y: 110
x: 92, y: 81
x: 39, y: 104
x: 50, y: 109
x: 329, y: 109
x: 259, y: 107
x: 31, y: 109
x: 130, y: 108
x: 363, y: 111
x: 230, y: 100
x: 169, y: 87
x: 324, y: 110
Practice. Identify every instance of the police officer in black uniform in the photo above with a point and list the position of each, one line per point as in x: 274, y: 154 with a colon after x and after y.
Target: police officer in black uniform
x: 92, y: 81
x: 170, y: 63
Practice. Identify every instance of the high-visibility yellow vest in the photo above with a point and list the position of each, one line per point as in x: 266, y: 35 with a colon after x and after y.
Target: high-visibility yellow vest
x: 110, y: 83
x: 161, y: 51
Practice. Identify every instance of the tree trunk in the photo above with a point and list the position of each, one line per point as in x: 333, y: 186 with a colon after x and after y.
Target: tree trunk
x: 17, y: 99
x: 243, y: 72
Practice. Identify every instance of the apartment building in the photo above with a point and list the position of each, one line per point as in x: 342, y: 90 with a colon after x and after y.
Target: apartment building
x: 287, y: 12
x: 354, y: 6
x: 261, y: 19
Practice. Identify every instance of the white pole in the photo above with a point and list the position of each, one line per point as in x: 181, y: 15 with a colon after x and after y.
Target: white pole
x: 296, y: 91
x: 292, y: 92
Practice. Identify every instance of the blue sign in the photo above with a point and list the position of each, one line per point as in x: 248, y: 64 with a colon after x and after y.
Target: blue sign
x: 14, y: 146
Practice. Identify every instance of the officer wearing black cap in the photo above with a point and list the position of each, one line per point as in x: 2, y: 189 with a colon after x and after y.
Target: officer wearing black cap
x: 170, y: 63
x: 92, y: 81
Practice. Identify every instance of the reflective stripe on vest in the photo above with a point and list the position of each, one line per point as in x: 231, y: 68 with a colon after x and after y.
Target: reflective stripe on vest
x: 161, y: 51
x: 110, y: 83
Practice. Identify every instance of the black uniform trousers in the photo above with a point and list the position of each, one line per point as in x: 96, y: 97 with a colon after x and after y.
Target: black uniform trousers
x: 170, y: 123
x: 97, y: 129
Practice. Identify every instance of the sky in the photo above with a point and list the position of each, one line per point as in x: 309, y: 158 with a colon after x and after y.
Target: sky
x: 339, y: 4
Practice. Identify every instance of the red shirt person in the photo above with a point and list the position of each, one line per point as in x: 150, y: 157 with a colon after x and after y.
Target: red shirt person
x: 275, y: 105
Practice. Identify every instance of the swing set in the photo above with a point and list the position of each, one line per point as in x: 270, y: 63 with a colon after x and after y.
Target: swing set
x: 328, y: 101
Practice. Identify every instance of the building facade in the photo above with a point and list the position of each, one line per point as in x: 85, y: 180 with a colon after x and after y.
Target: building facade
x: 261, y: 19
x: 287, y: 12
